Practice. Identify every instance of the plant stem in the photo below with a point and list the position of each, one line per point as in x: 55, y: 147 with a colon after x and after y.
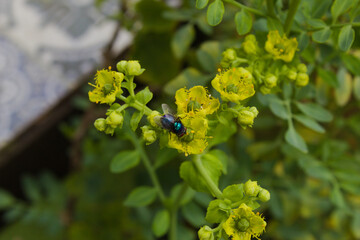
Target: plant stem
x: 290, y: 15
x: 148, y: 166
x: 174, y: 209
x: 210, y: 184
x: 239, y: 5
x: 270, y: 8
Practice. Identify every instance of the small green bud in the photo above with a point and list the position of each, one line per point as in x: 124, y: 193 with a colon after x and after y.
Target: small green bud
x: 265, y: 90
x: 270, y: 80
x: 134, y: 68
x: 122, y: 66
x: 264, y: 195
x: 206, y: 233
x: 250, y: 44
x: 152, y: 116
x: 131, y: 68
x: 246, y: 116
x: 251, y: 188
x: 302, y: 68
x: 109, y: 130
x: 100, y: 124
x: 302, y: 79
x: 149, y: 135
x: 229, y: 54
x: 254, y: 111
x: 292, y: 74
x: 115, y: 119
x: 243, y: 224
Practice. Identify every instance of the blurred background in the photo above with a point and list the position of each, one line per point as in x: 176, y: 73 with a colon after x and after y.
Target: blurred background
x: 55, y: 181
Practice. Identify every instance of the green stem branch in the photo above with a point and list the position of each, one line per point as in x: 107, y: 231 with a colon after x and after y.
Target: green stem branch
x: 290, y: 15
x: 174, y: 209
x: 241, y: 6
x: 148, y: 166
x: 210, y: 184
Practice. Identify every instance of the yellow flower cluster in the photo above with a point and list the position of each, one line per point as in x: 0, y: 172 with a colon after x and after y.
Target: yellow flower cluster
x: 107, y: 86
x: 243, y: 224
x: 193, y: 106
x: 234, y: 85
x: 281, y: 47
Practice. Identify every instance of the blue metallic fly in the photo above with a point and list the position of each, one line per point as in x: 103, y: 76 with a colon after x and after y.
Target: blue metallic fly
x: 171, y: 122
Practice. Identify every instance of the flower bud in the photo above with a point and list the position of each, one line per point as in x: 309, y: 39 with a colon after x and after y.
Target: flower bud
x: 251, y: 188
x: 246, y: 116
x: 265, y: 90
x: 134, y: 68
x: 302, y: 68
x: 109, y: 130
x: 149, y: 135
x: 131, y: 68
x: 270, y: 80
x: 122, y: 66
x: 229, y: 54
x: 206, y: 233
x: 302, y: 79
x: 292, y: 74
x: 115, y: 119
x: 264, y: 195
x: 151, y: 118
x: 250, y: 45
x: 100, y: 124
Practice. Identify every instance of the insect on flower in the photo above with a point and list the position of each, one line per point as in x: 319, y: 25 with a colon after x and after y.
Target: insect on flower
x: 170, y: 121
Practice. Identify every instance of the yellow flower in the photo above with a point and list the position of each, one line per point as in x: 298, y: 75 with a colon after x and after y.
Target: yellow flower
x: 281, y: 47
x: 194, y: 142
x: 234, y: 85
x: 195, y: 101
x: 107, y: 86
x: 243, y: 224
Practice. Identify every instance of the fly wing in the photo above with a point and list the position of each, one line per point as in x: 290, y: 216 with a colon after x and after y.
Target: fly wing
x: 167, y: 109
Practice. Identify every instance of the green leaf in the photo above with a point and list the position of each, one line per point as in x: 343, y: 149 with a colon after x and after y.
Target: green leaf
x: 316, y: 23
x: 243, y: 21
x: 309, y: 122
x: 215, y: 12
x: 352, y: 63
x: 303, y: 40
x: 343, y: 92
x: 275, y: 24
x: 141, y: 196
x: 217, y: 211
x: 314, y: 167
x: 234, y: 192
x: 193, y: 214
x: 31, y: 189
x: 6, y: 199
x: 185, y: 197
x: 339, y: 7
x: 328, y: 76
x: 346, y: 37
x: 295, y: 140
x: 189, y: 77
x: 315, y: 111
x: 355, y: 224
x: 222, y: 157
x: 337, y: 197
x: 144, y: 96
x: 200, y: 4
x: 161, y: 223
x: 164, y: 155
x: 322, y: 36
x: 192, y: 176
x: 209, y: 55
x: 135, y: 119
x: 356, y: 87
x: 277, y: 107
x: 182, y: 40
x: 124, y: 161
